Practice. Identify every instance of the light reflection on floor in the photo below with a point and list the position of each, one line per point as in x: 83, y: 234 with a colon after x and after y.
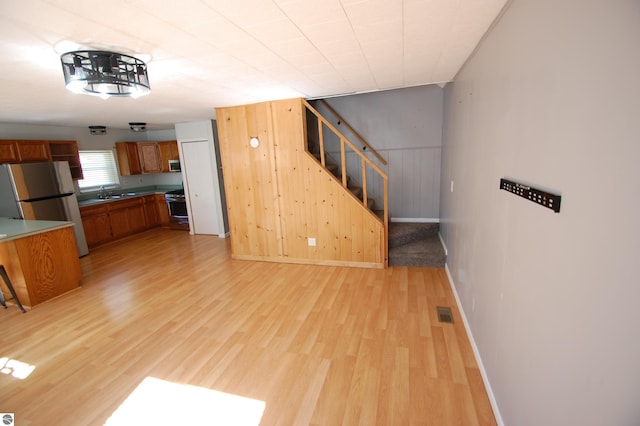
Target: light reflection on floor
x: 159, y: 402
x: 18, y: 369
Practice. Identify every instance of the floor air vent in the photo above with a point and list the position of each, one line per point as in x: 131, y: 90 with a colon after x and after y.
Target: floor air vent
x: 444, y: 314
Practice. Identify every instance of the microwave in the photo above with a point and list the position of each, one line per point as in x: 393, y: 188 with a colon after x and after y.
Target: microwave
x: 174, y: 165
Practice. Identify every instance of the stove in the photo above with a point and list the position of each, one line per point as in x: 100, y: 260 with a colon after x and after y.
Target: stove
x: 177, y: 205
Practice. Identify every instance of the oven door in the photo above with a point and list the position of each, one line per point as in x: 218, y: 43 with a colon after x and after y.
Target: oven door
x: 177, y: 207
x: 178, y: 216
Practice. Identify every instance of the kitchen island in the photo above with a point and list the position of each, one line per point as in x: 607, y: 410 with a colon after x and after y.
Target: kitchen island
x: 40, y: 257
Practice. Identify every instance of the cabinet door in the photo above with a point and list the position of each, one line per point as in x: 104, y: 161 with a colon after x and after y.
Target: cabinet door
x: 31, y: 151
x: 96, y: 224
x: 9, y: 152
x: 168, y: 151
x: 97, y: 229
x: 128, y: 159
x: 137, y: 218
x: 119, y: 222
x: 163, y: 209
x: 149, y: 157
x: 151, y: 211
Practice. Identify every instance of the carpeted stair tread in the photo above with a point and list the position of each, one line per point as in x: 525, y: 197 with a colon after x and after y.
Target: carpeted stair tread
x: 415, y: 244
x: 423, y: 253
x: 401, y: 233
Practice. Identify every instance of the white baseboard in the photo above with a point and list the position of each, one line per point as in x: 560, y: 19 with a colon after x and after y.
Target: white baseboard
x: 415, y: 219
x: 483, y: 372
x: 444, y: 246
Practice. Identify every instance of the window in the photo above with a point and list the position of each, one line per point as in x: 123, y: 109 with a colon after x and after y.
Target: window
x: 99, y: 169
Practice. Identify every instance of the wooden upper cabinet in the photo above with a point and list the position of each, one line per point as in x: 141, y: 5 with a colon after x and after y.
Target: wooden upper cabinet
x: 67, y: 151
x: 28, y: 151
x: 135, y: 158
x: 9, y: 151
x: 128, y: 158
x: 149, y: 157
x: 168, y: 151
x: 32, y: 151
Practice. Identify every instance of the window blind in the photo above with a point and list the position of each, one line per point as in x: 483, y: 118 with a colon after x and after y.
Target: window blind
x: 99, y: 169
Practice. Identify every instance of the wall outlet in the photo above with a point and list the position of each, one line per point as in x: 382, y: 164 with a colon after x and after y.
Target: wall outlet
x: 311, y: 242
x: 451, y: 186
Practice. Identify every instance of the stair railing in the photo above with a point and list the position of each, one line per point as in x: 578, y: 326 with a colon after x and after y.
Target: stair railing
x: 365, y: 161
x: 365, y: 145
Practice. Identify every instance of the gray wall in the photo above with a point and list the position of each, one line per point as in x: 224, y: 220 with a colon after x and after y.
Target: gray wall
x: 86, y: 141
x: 405, y: 127
x: 551, y: 98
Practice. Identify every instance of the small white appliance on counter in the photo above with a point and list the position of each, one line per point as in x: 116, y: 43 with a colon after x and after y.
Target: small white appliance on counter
x: 41, y: 191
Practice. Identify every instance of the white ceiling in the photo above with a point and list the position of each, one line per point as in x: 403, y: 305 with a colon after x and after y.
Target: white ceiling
x: 214, y: 53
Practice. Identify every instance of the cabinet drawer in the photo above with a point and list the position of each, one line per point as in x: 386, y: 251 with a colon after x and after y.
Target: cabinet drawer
x: 94, y: 209
x: 124, y: 204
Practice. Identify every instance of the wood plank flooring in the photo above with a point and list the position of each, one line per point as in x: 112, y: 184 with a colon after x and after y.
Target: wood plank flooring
x: 317, y: 345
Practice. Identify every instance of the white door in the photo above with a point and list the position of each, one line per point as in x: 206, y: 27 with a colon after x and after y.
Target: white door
x: 199, y: 187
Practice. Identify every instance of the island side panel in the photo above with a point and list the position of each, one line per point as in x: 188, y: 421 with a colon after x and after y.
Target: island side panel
x: 50, y: 264
x: 9, y: 258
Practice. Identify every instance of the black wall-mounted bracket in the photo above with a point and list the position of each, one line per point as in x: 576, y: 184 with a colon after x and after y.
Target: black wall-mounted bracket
x: 538, y: 196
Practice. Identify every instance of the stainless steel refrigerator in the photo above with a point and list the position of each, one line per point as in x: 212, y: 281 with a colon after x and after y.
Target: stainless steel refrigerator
x: 41, y: 191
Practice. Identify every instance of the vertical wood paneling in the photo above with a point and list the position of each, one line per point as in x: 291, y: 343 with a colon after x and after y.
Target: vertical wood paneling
x: 414, y: 180
x: 252, y: 213
x: 283, y: 190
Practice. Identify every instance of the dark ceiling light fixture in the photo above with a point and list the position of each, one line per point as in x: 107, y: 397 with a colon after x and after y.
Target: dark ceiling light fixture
x: 98, y: 130
x: 105, y: 74
x: 137, y: 126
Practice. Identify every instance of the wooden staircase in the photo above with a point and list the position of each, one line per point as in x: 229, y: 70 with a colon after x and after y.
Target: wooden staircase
x: 355, y: 190
x: 407, y: 244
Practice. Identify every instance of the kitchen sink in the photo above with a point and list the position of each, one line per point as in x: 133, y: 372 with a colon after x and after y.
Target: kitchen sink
x: 116, y: 196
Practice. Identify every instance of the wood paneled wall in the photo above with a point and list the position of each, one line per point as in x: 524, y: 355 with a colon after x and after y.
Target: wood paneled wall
x: 278, y: 196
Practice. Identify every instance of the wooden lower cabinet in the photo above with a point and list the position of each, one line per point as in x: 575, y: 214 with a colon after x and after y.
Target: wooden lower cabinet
x: 127, y: 217
x: 151, y: 214
x: 96, y: 224
x: 41, y: 266
x: 163, y: 210
x: 117, y: 219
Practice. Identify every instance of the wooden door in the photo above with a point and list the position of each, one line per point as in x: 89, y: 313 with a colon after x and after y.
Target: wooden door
x: 151, y: 211
x: 128, y: 159
x: 199, y: 188
x: 163, y: 210
x: 149, y: 157
x: 96, y: 224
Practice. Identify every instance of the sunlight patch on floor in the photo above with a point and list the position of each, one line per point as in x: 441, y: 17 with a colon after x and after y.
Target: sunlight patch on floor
x: 18, y: 369
x: 159, y: 402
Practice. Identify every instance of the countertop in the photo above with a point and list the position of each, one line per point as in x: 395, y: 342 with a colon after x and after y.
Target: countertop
x: 92, y: 198
x: 12, y: 229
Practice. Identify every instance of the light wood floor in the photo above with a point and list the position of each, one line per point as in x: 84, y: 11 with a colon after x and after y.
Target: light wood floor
x: 318, y: 345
